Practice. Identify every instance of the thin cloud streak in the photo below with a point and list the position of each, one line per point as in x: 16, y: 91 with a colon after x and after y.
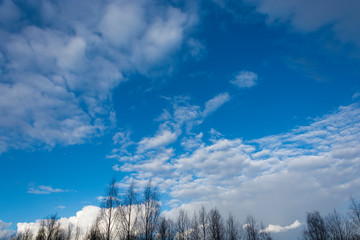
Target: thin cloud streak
x: 277, y: 228
x: 44, y: 190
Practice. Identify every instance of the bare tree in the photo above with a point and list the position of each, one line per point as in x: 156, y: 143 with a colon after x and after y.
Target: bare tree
x: 54, y: 230
x: 163, y: 229
x: 182, y: 225
x: 41, y: 234
x: 50, y: 229
x: 216, y: 225
x: 195, y: 233
x: 232, y: 229
x: 263, y: 234
x: 355, y: 217
x: 251, y: 228
x: 166, y: 229
x: 26, y: 235
x: 203, y: 222
x: 151, y: 211
x: 315, y: 229
x: 337, y: 227
x: 128, y: 213
x: 109, y: 208
x: 94, y: 233
x: 252, y: 231
x: 172, y: 229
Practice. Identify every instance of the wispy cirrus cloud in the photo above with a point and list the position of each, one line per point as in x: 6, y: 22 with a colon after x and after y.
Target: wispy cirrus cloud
x: 340, y: 16
x: 173, y: 123
x: 58, y: 71
x: 356, y: 95
x: 42, y: 189
x: 214, y: 103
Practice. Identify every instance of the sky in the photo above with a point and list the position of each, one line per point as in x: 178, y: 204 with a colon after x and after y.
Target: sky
x: 251, y: 106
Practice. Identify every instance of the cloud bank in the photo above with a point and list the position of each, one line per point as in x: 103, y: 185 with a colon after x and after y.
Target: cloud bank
x: 277, y: 178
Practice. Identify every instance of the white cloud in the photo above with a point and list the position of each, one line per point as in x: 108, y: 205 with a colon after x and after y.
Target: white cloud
x: 160, y: 39
x: 83, y: 219
x: 215, y: 103
x: 44, y: 190
x: 197, y: 49
x: 162, y: 138
x: 278, y: 228
x: 57, y: 80
x: 154, y: 152
x: 152, y: 162
x: 308, y: 16
x: 192, y: 142
x: 122, y: 22
x: 72, y: 55
x: 9, y: 12
x: 245, y: 79
x: 5, y: 233
x: 122, y: 138
x: 276, y: 178
x: 356, y: 95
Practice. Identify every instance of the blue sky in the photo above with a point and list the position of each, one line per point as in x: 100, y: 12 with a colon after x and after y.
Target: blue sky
x: 250, y: 105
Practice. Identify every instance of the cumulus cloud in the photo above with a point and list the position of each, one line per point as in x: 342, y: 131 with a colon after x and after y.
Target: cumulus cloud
x: 44, y: 190
x: 58, y: 71
x: 245, y: 79
x: 277, y: 178
x: 83, y: 219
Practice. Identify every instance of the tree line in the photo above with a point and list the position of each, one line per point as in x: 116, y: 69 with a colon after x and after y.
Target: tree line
x: 334, y: 226
x: 126, y: 216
